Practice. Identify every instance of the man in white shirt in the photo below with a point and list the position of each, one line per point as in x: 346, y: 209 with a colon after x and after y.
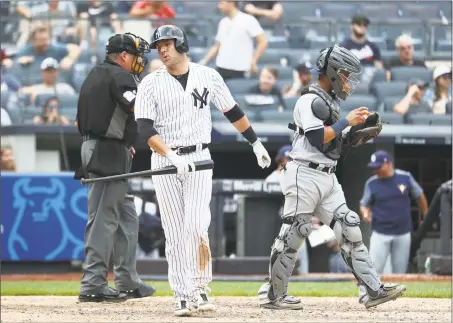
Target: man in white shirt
x: 50, y: 85
x: 234, y: 43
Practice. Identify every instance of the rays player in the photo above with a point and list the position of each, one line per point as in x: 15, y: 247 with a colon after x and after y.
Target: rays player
x: 311, y: 187
x: 172, y: 109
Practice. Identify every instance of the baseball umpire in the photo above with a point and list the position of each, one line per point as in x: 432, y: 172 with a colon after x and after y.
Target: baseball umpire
x: 311, y: 188
x: 106, y: 121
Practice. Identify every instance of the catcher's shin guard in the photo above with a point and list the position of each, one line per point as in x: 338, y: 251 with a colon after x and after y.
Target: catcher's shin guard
x: 345, y: 224
x: 284, y: 253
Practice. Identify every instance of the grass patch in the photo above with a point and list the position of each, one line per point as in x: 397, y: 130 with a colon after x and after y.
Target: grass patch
x: 321, y: 289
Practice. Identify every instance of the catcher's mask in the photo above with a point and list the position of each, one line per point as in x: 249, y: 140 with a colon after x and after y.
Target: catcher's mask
x: 339, y: 65
x: 131, y: 44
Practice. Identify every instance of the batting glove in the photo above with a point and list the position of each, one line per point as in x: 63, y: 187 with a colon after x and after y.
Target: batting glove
x: 261, y: 153
x: 182, y: 165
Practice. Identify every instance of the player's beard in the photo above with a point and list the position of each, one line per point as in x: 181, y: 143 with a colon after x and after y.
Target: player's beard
x: 358, y: 35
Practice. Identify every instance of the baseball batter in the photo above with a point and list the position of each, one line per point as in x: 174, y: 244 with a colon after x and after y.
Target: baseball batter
x: 172, y: 109
x: 311, y: 187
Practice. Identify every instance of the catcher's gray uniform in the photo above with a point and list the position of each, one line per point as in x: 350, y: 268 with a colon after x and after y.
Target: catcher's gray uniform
x: 311, y: 188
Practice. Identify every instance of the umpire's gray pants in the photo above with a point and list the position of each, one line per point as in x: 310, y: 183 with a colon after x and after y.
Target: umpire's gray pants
x: 112, y: 227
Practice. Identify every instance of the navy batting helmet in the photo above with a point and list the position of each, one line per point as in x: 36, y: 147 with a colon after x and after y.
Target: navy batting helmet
x: 171, y: 32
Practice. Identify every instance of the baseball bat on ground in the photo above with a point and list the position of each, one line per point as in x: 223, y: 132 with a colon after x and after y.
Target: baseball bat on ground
x: 199, y: 165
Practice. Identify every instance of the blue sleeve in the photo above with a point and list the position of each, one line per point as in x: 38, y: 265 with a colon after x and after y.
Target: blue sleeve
x: 25, y: 51
x: 377, y: 53
x: 12, y: 82
x: 366, y: 198
x: 60, y: 51
x: 415, y: 188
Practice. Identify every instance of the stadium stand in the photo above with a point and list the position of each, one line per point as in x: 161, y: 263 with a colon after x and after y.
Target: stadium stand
x: 304, y: 29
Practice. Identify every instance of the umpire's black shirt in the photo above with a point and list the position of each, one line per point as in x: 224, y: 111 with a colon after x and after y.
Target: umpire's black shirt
x: 106, y: 103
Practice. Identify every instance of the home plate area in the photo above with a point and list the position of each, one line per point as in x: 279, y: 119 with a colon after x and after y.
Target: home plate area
x: 229, y: 309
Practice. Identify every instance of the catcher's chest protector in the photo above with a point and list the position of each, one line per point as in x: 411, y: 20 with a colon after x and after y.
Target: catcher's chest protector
x: 333, y: 148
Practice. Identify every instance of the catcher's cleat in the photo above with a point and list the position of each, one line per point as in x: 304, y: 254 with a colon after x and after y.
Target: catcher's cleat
x: 204, y: 303
x: 286, y: 302
x: 387, y: 292
x: 184, y: 307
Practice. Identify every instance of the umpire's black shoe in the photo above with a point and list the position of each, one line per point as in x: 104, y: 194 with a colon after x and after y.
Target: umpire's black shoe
x: 108, y: 295
x: 143, y: 290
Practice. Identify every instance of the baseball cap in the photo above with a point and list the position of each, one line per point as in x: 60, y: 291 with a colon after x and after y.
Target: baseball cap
x: 284, y: 151
x: 419, y: 82
x: 360, y: 20
x: 121, y: 43
x: 49, y: 62
x: 303, y: 67
x: 378, y: 158
x: 441, y: 70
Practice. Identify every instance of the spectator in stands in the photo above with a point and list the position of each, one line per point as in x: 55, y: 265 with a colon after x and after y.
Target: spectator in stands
x: 302, y: 78
x: 386, y: 204
x: 5, y: 118
x: 94, y: 12
x: 271, y: 10
x: 234, y: 43
x: 336, y: 260
x: 49, y: 74
x: 41, y: 48
x: 7, y: 159
x: 441, y: 94
x: 152, y: 9
x: 155, y: 64
x: 41, y: 11
x: 51, y: 113
x: 9, y: 82
x: 267, y: 85
x: 366, y: 51
x: 405, y: 47
x: 413, y: 101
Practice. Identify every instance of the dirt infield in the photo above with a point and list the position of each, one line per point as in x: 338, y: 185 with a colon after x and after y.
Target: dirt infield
x: 387, y: 278
x: 230, y: 309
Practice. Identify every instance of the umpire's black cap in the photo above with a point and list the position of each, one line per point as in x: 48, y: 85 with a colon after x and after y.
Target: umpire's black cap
x: 129, y: 43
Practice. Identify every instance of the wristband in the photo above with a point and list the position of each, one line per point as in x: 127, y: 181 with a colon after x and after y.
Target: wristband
x: 250, y: 135
x: 339, y: 126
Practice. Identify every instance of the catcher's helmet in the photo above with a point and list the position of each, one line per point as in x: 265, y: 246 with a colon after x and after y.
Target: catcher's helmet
x: 333, y: 60
x: 171, y: 32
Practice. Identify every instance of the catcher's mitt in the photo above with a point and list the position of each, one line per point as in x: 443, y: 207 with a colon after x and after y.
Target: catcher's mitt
x: 360, y: 134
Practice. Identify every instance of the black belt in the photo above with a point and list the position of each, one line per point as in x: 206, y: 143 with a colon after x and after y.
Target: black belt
x: 89, y: 137
x: 328, y: 170
x: 189, y: 149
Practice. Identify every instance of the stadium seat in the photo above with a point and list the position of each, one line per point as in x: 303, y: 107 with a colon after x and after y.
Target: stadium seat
x: 384, y: 90
x: 443, y: 45
x: 272, y: 57
x: 291, y: 102
x: 338, y: 10
x: 79, y: 74
x: 259, y: 102
x: 405, y: 73
x: 240, y: 86
x: 280, y: 43
x: 70, y: 113
x: 392, y: 118
x: 448, y: 108
x: 378, y: 76
x: 390, y: 102
x: 356, y: 101
x: 296, y: 10
x: 216, y: 115
x: 68, y: 100
x: 430, y: 119
x: 285, y: 116
x: 381, y: 10
x: 361, y: 89
x: 42, y: 98
x: 29, y: 113
x: 419, y: 11
x: 283, y: 72
x: 29, y: 74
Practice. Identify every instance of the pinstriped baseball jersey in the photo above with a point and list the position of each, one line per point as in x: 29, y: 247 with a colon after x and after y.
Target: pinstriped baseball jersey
x: 182, y: 117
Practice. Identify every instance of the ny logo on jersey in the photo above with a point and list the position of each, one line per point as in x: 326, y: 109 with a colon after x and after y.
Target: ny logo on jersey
x: 203, y: 99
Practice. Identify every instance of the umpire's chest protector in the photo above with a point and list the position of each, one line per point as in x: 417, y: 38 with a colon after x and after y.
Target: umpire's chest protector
x: 328, y: 110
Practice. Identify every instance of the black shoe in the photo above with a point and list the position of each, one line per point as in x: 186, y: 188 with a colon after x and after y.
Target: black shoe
x: 143, y: 290
x: 108, y: 295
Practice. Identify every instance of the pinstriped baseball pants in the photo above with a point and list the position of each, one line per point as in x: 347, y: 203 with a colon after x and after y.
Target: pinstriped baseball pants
x: 184, y: 203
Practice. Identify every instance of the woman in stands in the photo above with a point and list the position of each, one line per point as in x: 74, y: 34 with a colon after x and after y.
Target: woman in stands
x: 7, y: 163
x: 267, y: 85
x: 440, y: 95
x: 51, y: 113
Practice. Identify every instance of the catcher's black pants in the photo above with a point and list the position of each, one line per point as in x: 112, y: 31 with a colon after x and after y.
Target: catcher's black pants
x: 112, y: 227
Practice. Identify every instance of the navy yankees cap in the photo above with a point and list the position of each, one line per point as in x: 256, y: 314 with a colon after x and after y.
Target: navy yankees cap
x: 378, y: 158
